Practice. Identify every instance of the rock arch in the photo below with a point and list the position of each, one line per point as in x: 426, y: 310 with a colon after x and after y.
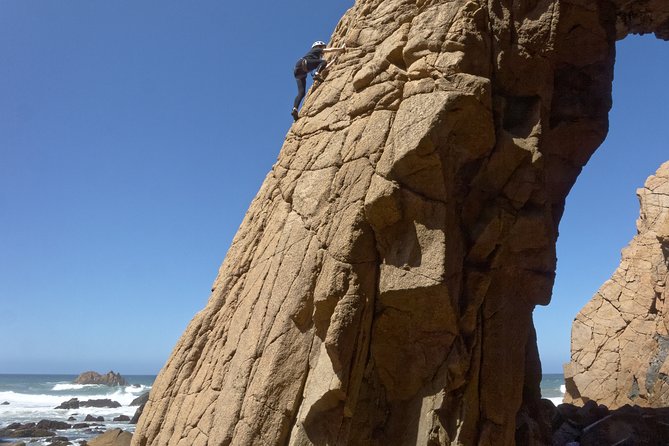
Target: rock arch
x: 381, y: 286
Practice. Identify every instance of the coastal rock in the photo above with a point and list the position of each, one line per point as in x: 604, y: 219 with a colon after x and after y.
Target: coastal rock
x: 59, y: 441
x: 593, y: 425
x: 27, y: 430
x: 52, y: 425
x: 106, y: 402
x: 109, y: 379
x: 114, y: 437
x: 620, y: 339
x: 5, y: 403
x: 142, y: 399
x: 381, y: 286
x: 74, y: 403
x: 90, y: 417
x: 122, y: 418
x: 138, y: 413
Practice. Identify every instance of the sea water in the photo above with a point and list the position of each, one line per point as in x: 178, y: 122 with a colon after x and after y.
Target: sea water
x: 552, y: 387
x: 33, y: 398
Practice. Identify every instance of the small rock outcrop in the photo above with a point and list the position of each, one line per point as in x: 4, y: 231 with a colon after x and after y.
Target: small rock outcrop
x: 25, y: 430
x: 52, y: 425
x: 620, y: 339
x: 113, y: 437
x: 140, y: 400
x: 90, y: 417
x: 74, y: 403
x: 108, y: 379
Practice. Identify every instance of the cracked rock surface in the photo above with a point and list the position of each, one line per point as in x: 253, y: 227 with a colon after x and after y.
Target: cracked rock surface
x: 620, y: 339
x: 381, y: 286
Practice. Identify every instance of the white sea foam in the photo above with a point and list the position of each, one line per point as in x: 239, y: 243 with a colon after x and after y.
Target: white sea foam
x: 62, y: 386
x: 557, y: 400
x: 25, y: 407
x: 124, y: 395
x: 136, y: 389
x: 563, y: 389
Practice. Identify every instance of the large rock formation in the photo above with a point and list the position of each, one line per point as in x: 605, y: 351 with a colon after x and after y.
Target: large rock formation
x: 620, y: 339
x: 108, y: 379
x: 381, y: 286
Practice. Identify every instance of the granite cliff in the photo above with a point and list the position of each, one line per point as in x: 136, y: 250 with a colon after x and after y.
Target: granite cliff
x: 381, y: 286
x: 620, y: 339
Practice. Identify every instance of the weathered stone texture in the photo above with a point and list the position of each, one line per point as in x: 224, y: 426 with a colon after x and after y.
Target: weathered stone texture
x: 381, y: 286
x: 620, y: 339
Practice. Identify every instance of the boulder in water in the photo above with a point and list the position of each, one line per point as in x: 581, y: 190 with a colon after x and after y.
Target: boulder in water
x: 142, y: 399
x: 27, y: 430
x: 74, y: 403
x: 70, y: 404
x: 50, y: 424
x: 90, y: 417
x: 101, y: 403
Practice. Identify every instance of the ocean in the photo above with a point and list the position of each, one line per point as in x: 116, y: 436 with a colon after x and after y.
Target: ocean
x: 552, y: 387
x: 33, y: 398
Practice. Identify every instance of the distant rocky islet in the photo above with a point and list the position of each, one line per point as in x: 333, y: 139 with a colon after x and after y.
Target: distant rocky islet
x: 109, y: 379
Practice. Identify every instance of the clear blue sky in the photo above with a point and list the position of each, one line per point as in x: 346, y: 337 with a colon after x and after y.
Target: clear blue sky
x: 133, y: 136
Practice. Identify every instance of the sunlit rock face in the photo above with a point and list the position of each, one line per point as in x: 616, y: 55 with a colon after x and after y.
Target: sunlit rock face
x: 620, y: 339
x: 381, y: 286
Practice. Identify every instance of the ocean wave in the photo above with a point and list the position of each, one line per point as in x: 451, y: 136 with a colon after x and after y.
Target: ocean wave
x: 123, y: 395
x: 563, y: 389
x: 61, y: 386
x: 137, y: 388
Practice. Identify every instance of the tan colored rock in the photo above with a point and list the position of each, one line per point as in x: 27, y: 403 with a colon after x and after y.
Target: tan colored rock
x: 381, y: 286
x: 620, y: 341
x: 113, y: 437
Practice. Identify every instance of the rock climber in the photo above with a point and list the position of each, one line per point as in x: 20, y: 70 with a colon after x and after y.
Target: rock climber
x: 313, y: 60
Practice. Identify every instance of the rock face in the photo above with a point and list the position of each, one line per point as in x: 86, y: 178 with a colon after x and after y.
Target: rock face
x: 113, y: 437
x: 109, y: 379
x: 620, y: 339
x: 381, y: 286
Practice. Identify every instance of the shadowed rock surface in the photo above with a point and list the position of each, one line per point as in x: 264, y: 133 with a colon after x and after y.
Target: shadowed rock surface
x: 597, y: 425
x: 620, y: 339
x: 381, y: 286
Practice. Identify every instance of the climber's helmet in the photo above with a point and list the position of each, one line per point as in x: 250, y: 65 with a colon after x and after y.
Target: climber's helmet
x: 318, y: 43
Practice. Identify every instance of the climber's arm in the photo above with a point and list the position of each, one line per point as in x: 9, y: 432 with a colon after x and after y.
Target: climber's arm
x: 334, y: 50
